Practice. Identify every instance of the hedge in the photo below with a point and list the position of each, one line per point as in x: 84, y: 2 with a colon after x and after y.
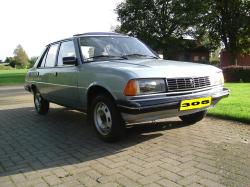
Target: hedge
x: 4, y: 67
x: 237, y: 73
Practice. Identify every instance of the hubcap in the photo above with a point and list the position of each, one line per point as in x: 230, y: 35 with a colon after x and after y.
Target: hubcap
x: 38, y: 102
x: 102, y: 118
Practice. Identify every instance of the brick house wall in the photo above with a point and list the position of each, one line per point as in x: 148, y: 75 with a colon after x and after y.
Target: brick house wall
x: 199, y: 56
x: 192, y: 56
x: 242, y: 60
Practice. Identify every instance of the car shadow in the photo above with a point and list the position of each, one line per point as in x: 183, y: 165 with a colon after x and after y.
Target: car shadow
x: 30, y: 142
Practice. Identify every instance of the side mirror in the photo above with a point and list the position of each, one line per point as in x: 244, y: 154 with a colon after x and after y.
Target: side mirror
x: 70, y: 61
x: 161, y: 56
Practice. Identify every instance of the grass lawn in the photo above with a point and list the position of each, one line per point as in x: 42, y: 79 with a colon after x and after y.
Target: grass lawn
x: 13, y: 76
x: 236, y: 106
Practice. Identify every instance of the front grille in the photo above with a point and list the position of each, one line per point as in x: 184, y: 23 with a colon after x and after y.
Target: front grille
x: 183, y: 84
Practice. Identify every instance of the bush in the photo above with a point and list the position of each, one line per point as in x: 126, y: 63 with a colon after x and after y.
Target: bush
x: 4, y: 67
x: 237, y: 73
x: 204, y: 62
x: 215, y: 63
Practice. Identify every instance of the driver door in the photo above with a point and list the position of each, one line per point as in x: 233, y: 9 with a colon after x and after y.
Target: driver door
x: 65, y: 77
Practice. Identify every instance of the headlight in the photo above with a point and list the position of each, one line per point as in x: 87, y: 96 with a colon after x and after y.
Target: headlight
x: 217, y: 79
x: 144, y: 86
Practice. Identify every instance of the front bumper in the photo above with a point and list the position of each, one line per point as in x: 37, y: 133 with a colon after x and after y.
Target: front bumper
x: 163, y: 106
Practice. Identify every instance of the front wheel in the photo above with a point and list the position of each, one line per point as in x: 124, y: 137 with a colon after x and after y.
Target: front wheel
x: 106, y: 118
x: 193, y: 118
x: 41, y: 105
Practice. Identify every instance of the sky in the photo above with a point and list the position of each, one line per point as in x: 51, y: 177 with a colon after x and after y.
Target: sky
x: 35, y: 23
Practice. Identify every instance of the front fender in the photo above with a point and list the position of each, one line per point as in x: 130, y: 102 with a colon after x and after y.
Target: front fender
x: 102, y: 85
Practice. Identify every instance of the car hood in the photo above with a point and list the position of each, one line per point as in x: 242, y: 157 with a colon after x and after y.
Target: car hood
x: 148, y: 68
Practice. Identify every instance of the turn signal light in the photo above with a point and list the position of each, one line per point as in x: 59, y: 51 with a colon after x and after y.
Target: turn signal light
x: 131, y: 88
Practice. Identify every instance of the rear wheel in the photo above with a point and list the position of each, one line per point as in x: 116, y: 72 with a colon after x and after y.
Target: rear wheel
x: 193, y: 118
x: 41, y: 105
x: 106, y: 118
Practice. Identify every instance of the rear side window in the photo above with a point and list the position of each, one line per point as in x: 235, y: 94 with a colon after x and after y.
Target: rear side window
x: 67, y: 49
x: 43, y: 60
x: 51, y: 56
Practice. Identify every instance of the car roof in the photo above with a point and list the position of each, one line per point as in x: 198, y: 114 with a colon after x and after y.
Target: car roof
x: 99, y: 34
x: 90, y: 34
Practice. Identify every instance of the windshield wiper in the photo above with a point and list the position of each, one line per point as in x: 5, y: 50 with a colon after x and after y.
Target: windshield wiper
x: 142, y: 55
x: 106, y: 56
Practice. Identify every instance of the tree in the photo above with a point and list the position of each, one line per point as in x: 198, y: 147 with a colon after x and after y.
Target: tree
x: 32, y: 61
x: 160, y: 23
x: 163, y: 23
x: 21, y: 57
x: 226, y: 21
x: 11, y: 61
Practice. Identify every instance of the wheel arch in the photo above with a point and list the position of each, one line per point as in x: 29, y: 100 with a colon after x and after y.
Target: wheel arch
x: 33, y: 87
x: 94, y: 90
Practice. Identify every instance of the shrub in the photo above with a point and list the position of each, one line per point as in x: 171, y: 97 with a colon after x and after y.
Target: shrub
x: 237, y: 73
x: 3, y: 67
x: 215, y: 63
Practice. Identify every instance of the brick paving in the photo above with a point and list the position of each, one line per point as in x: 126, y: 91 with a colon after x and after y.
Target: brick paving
x: 61, y: 149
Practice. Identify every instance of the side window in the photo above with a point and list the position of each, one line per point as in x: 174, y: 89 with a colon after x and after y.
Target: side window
x: 43, y: 60
x: 67, y: 49
x: 51, y: 56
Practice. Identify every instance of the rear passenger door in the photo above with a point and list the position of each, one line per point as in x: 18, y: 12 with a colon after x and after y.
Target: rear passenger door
x: 49, y: 72
x: 65, y: 77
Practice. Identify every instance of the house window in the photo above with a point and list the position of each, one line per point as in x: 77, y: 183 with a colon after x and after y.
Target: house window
x: 196, y: 58
x: 203, y: 58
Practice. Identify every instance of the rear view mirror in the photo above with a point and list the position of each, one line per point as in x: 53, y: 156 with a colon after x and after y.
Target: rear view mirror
x: 70, y: 60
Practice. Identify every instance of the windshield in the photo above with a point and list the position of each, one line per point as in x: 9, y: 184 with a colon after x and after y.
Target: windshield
x: 99, y: 48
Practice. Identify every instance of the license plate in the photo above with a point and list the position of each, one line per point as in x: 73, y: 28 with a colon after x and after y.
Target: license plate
x: 195, y: 103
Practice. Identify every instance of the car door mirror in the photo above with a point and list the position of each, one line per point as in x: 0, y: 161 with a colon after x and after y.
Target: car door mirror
x: 70, y: 60
x: 161, y: 56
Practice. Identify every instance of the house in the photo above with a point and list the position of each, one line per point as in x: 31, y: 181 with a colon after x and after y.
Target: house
x: 190, y: 51
x: 242, y: 60
x: 194, y: 54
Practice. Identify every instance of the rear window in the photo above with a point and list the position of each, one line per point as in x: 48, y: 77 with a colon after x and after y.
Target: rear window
x: 51, y: 56
x: 43, y: 60
x: 67, y: 49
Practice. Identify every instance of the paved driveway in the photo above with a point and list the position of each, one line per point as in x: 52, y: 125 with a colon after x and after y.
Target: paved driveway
x: 62, y: 149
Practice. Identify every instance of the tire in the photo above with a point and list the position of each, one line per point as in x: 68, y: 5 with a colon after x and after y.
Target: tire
x: 41, y: 105
x: 193, y: 118
x: 106, y: 118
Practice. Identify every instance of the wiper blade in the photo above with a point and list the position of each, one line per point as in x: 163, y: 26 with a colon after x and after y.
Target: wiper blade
x: 106, y: 56
x: 138, y: 54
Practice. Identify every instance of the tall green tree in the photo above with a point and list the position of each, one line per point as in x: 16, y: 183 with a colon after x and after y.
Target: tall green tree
x: 163, y: 23
x: 11, y: 61
x: 32, y: 61
x: 21, y: 57
x: 160, y: 23
x: 227, y: 21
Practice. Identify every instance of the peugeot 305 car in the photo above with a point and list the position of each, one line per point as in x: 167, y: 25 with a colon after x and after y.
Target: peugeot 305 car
x: 116, y: 80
